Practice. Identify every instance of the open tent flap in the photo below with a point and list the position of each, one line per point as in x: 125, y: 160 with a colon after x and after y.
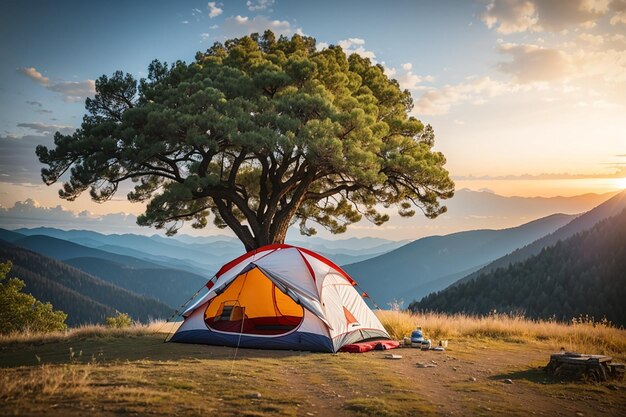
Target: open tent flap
x: 303, y: 299
x: 281, y: 284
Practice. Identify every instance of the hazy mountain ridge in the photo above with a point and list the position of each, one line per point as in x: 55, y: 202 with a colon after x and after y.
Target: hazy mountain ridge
x: 583, y: 274
x: 86, y: 299
x: 434, y: 262
x: 586, y: 221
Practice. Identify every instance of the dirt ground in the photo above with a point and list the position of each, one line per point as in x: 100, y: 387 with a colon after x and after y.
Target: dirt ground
x: 141, y: 375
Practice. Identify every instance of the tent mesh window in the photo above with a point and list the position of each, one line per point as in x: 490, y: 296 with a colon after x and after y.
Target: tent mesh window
x: 253, y: 305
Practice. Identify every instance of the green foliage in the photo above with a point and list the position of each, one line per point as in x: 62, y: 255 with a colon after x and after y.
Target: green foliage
x: 120, y: 321
x: 259, y: 132
x: 581, y: 277
x: 20, y: 312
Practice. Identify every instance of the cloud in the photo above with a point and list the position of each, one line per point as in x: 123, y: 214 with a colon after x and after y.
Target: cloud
x: 321, y: 45
x: 256, y: 5
x: 619, y: 7
x: 72, y: 91
x: 355, y: 46
x: 510, y: 16
x: 214, y: 10
x: 184, y: 22
x: 204, y: 37
x: 243, y: 25
x: 438, y: 101
x: 34, y: 103
x: 29, y: 213
x: 531, y: 63
x: 44, y: 128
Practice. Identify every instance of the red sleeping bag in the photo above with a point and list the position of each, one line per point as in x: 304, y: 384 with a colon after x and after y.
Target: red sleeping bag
x: 370, y: 345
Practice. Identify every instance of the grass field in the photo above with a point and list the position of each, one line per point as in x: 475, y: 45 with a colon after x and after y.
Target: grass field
x: 132, y: 372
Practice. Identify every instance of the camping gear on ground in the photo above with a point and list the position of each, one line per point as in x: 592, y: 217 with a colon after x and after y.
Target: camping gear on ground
x: 392, y: 356
x: 426, y: 344
x: 407, y: 341
x: 443, y: 343
x: 417, y: 336
x: 596, y: 368
x: 361, y: 347
x: 280, y: 297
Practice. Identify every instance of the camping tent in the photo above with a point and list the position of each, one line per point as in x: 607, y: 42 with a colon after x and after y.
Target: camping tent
x: 280, y: 297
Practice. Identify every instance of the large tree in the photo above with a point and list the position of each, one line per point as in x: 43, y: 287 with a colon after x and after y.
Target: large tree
x: 259, y: 132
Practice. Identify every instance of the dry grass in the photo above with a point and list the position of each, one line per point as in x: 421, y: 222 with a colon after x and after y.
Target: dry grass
x: 44, y: 381
x: 582, y: 337
x: 89, y: 332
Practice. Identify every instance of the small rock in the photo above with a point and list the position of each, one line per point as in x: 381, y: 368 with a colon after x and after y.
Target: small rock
x: 580, y: 414
x: 254, y: 395
x: 472, y: 379
x: 425, y: 365
x: 454, y: 368
x: 507, y: 381
x: 433, y: 361
x: 613, y: 387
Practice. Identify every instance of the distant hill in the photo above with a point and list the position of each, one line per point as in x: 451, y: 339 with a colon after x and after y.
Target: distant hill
x: 205, y: 255
x: 586, y: 221
x: 432, y: 263
x: 61, y: 249
x: 172, y: 287
x: 584, y: 274
x: 85, y: 298
x: 169, y: 285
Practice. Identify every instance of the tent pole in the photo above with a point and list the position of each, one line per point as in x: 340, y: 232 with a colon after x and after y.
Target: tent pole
x: 177, y: 313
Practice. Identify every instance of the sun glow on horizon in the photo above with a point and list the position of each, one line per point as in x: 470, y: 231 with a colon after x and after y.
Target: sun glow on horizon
x: 621, y: 183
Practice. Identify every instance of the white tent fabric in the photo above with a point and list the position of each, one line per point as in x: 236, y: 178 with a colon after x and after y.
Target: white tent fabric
x: 333, y: 312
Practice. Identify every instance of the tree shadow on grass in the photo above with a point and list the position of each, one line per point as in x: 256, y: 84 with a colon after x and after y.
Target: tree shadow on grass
x: 136, y: 348
x: 534, y: 375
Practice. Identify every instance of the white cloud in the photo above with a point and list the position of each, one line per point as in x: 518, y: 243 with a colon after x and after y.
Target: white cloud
x: 243, y: 25
x: 409, y: 81
x: 407, y: 67
x: 214, y: 10
x: 619, y: 7
x: 184, y: 22
x: 438, y: 101
x: 256, y: 5
x: 204, y: 37
x: 72, y: 91
x: 30, y: 213
x: 355, y: 46
x: 321, y: 45
x: 532, y: 63
x: 510, y: 16
x: 604, y: 60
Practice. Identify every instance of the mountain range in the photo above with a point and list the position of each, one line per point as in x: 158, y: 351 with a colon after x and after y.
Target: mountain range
x: 85, y: 298
x: 584, y: 274
x: 432, y: 263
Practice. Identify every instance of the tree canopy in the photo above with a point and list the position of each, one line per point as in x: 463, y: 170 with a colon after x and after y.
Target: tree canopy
x: 20, y: 312
x: 260, y: 133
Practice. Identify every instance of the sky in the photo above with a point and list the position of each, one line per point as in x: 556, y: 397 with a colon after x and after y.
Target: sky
x: 527, y: 97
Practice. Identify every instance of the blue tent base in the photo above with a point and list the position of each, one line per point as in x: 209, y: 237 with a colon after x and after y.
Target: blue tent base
x: 293, y: 341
